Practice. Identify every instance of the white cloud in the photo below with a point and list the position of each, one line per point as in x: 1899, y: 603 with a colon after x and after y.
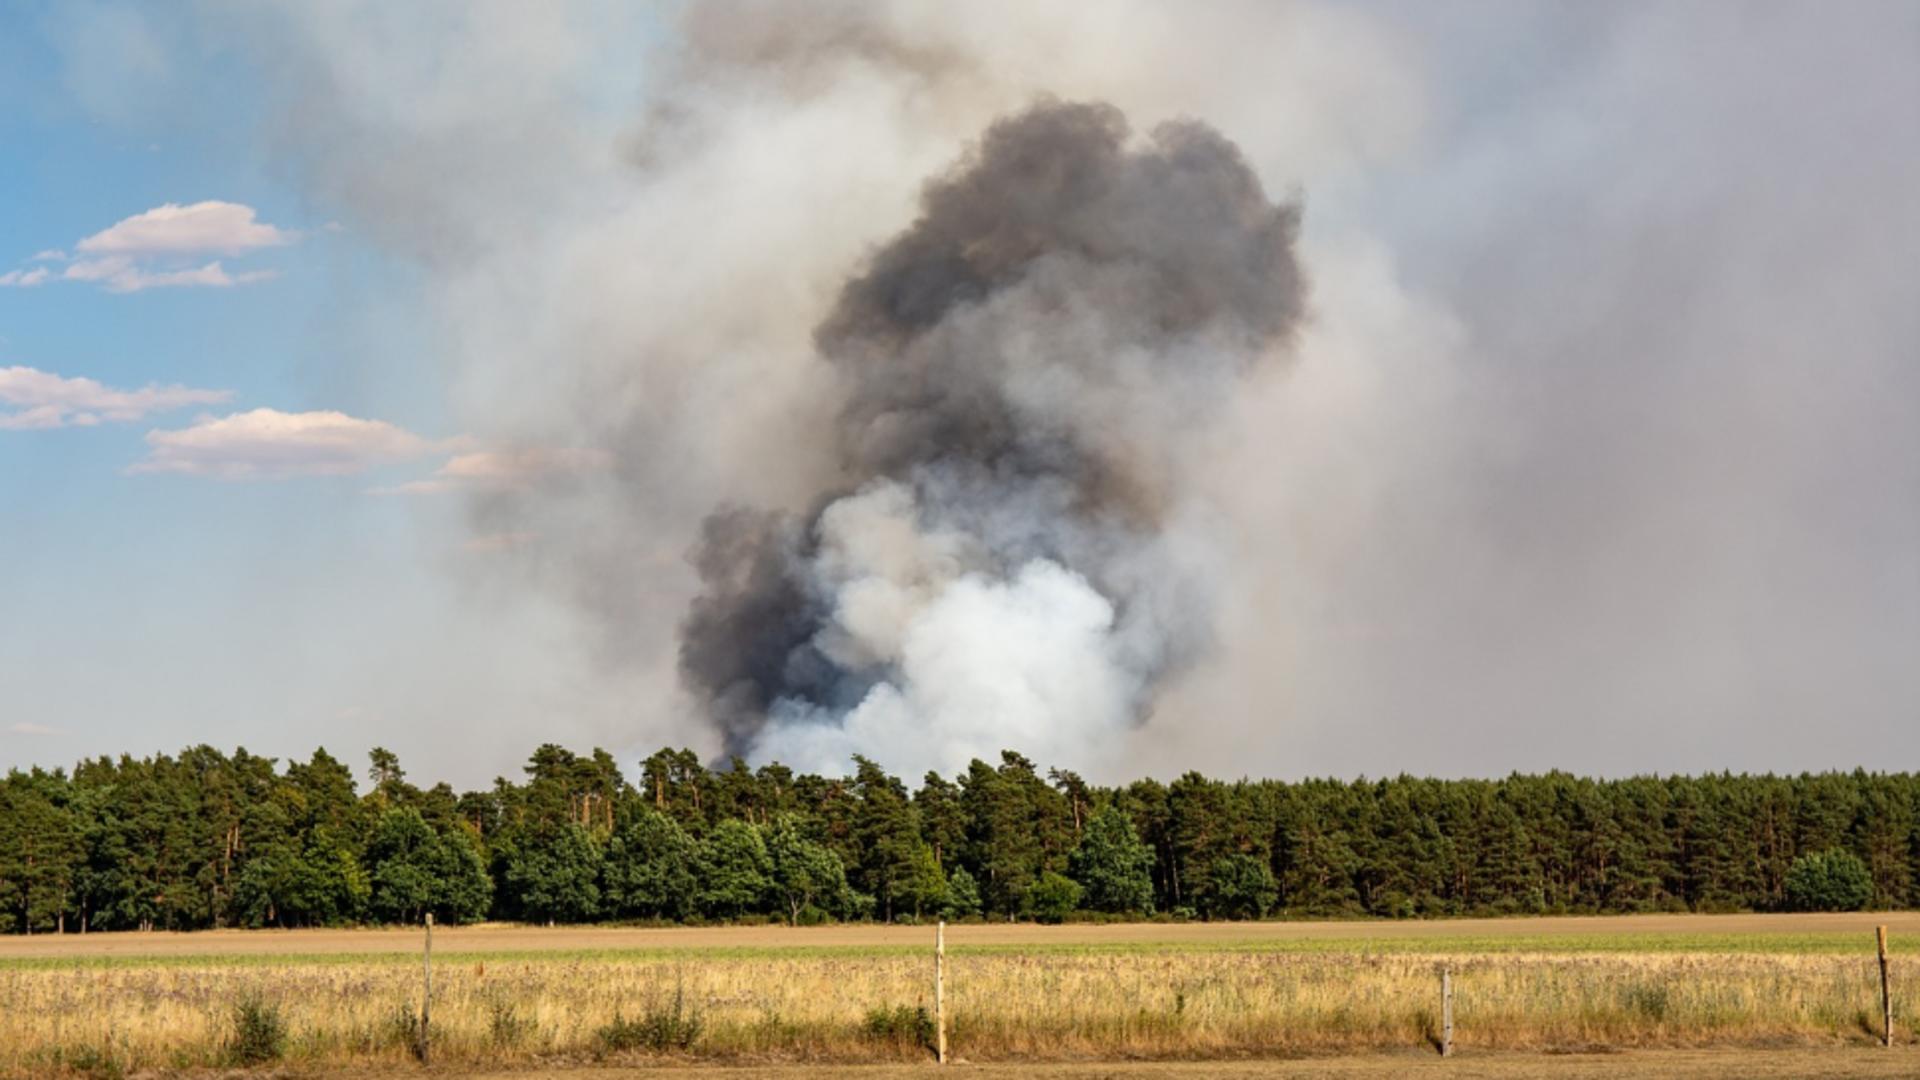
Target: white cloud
x: 25, y: 727
x: 267, y: 443
x: 172, y: 229
x: 41, y: 399
x: 120, y: 273
x: 24, y: 279
x: 514, y: 468
x: 162, y: 248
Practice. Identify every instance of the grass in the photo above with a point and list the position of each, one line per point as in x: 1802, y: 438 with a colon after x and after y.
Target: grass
x: 1808, y: 944
x: 1222, y: 995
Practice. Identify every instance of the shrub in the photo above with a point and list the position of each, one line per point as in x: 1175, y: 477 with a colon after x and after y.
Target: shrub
x: 98, y: 1062
x: 1832, y: 880
x: 259, y: 1031
x: 656, y: 1029
x: 404, y: 1029
x: 904, y: 1025
x: 1649, y: 999
x: 1053, y: 897
x: 505, y: 1025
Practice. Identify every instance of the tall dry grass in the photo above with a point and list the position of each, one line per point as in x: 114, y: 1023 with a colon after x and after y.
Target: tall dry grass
x: 112, y: 1020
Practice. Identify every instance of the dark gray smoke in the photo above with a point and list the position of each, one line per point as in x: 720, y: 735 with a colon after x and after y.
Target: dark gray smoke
x: 1019, y: 369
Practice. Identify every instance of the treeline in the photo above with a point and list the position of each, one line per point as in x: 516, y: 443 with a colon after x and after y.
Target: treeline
x: 204, y: 839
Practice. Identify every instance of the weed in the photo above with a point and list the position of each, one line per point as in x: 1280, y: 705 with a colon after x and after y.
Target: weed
x: 404, y: 1029
x: 259, y: 1031
x: 657, y: 1029
x: 1651, y: 1000
x: 903, y: 1025
x: 506, y: 1028
x: 97, y: 1062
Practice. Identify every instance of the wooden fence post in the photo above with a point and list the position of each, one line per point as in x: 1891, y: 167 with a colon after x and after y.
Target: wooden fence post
x: 1446, y: 1012
x: 426, y: 997
x: 940, y: 992
x: 1886, y: 993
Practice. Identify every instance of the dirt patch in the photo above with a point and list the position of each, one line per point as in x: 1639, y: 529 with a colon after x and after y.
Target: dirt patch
x: 1849, y: 1063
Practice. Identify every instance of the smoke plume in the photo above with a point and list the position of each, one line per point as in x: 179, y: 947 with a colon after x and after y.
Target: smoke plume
x: 1018, y: 371
x: 1600, y: 448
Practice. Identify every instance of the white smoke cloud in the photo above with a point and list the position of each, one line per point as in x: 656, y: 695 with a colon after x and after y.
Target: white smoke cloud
x: 984, y: 664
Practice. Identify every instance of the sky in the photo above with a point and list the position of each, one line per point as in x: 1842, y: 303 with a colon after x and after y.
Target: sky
x: 366, y: 371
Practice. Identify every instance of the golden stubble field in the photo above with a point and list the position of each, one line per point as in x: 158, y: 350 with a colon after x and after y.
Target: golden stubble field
x: 501, y: 938
x: 773, y: 998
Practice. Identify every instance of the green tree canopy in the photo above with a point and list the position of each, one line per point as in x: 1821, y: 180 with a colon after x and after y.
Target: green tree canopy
x: 553, y: 874
x: 1053, y: 897
x: 415, y: 870
x: 649, y: 868
x: 1831, y: 880
x: 1238, y: 886
x: 963, y: 894
x: 732, y: 869
x: 1113, y: 865
x: 801, y: 872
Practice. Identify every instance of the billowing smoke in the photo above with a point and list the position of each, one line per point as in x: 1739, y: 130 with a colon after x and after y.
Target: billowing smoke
x: 1600, y: 448
x: 1019, y: 370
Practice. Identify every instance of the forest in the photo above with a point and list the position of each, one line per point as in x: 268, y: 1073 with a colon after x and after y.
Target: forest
x: 206, y: 839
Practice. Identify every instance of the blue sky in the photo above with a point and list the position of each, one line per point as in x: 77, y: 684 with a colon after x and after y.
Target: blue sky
x: 1598, y: 449
x: 146, y: 611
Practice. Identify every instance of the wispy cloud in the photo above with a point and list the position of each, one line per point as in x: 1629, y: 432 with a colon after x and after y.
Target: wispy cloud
x: 25, y: 727
x: 25, y: 279
x: 41, y: 399
x: 165, y: 247
x: 504, y: 469
x: 121, y: 273
x: 267, y: 443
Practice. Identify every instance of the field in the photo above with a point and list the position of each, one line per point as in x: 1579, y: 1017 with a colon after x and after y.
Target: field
x: 1794, y: 992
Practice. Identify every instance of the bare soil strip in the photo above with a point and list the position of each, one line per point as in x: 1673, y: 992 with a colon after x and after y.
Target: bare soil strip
x: 498, y: 938
x: 1838, y: 1063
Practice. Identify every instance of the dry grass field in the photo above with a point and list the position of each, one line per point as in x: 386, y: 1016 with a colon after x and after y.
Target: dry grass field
x: 524, y: 998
